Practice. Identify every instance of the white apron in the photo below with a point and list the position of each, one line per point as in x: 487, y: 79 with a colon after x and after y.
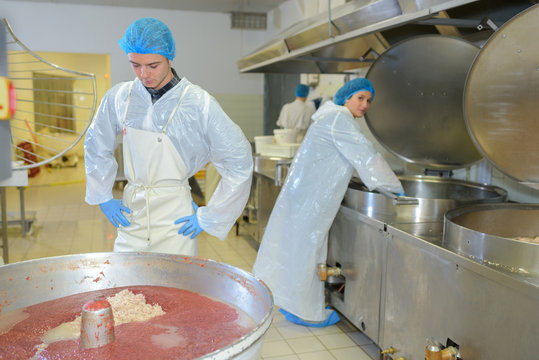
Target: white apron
x: 157, y: 193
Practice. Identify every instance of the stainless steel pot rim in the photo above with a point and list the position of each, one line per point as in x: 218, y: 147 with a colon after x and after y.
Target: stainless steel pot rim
x: 90, y: 261
x: 434, y: 179
x: 477, y: 208
x: 451, y: 214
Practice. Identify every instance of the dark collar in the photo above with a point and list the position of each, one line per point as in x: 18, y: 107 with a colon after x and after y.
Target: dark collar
x: 156, y: 94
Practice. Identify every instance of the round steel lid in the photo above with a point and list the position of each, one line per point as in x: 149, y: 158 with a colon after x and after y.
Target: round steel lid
x: 501, y: 98
x: 417, y: 110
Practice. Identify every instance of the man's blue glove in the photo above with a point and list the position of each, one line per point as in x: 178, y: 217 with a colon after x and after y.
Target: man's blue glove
x: 113, y: 210
x: 191, y: 225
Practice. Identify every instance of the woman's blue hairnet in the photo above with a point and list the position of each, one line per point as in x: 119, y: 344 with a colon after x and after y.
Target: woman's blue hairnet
x: 350, y: 88
x: 149, y: 36
x: 302, y: 91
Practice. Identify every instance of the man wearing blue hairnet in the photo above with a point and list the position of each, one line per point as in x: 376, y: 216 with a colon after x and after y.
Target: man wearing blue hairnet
x: 297, y: 114
x: 171, y: 129
x: 295, y: 239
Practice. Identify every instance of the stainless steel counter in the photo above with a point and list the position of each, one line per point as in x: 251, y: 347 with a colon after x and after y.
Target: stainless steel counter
x: 272, y: 167
x: 269, y: 173
x: 401, y: 289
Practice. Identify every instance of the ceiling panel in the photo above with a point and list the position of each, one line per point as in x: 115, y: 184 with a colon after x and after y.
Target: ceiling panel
x: 221, y: 6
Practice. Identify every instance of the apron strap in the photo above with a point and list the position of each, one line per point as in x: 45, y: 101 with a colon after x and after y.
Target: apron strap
x: 127, y: 106
x: 147, y: 189
x: 176, y: 107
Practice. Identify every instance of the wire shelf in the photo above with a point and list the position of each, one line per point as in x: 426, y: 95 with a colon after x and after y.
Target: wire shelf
x: 55, y: 105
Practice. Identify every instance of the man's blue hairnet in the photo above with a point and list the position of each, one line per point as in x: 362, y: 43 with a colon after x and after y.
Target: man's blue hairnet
x: 302, y: 91
x: 350, y: 88
x: 149, y: 36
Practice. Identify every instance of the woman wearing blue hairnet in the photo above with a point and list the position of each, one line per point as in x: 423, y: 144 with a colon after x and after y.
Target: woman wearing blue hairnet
x: 171, y: 129
x: 295, y: 239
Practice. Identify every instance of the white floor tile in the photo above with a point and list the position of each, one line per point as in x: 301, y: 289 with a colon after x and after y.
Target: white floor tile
x: 272, y: 335
x: 305, y: 344
x: 285, y: 357
x: 276, y: 348
x: 325, y: 330
x: 291, y: 331
x: 317, y: 355
x: 336, y: 341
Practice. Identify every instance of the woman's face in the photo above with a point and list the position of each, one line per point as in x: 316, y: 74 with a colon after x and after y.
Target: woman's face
x: 359, y: 103
x: 153, y: 70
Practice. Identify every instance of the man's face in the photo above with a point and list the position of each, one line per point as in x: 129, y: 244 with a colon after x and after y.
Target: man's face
x: 153, y: 70
x: 359, y: 103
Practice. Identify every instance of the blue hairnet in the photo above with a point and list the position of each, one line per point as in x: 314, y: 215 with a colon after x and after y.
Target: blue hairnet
x: 350, y: 88
x: 302, y: 90
x: 148, y: 36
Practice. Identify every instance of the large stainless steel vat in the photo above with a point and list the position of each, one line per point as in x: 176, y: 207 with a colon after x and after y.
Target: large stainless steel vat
x: 425, y: 127
x: 35, y: 281
x: 501, y: 115
x: 476, y: 286
x: 487, y: 234
x: 434, y: 197
x: 501, y: 111
x: 417, y: 114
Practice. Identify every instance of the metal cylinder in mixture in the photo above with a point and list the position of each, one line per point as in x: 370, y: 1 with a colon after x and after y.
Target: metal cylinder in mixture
x: 97, y: 324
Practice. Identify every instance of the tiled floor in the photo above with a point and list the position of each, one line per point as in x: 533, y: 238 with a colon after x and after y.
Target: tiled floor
x: 65, y: 224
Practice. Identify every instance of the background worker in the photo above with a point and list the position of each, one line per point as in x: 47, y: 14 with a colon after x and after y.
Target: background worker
x: 171, y: 129
x: 297, y: 114
x: 295, y: 239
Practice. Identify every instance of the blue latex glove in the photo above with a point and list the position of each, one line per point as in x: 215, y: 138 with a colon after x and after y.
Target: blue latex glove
x: 400, y: 194
x: 332, y: 319
x: 113, y: 210
x: 191, y: 224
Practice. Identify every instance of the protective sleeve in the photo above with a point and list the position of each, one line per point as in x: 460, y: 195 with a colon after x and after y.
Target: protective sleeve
x: 306, y: 117
x: 370, y: 165
x: 231, y: 154
x: 99, y: 146
x: 281, y: 122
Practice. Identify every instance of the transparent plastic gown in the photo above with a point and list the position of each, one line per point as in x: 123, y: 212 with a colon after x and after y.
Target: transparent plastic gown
x: 295, y: 239
x: 201, y: 132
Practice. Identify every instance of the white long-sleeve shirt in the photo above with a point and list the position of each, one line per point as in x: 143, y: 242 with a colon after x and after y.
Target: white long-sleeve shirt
x: 296, y: 115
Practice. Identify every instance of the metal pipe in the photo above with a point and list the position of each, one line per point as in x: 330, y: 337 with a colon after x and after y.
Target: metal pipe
x: 4, y: 224
x: 279, y: 174
x: 23, y: 215
x: 329, y: 18
x: 43, y: 125
x: 48, y: 115
x: 324, y: 271
x: 330, y: 22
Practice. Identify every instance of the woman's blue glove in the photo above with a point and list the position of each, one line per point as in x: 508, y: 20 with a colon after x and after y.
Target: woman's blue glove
x: 113, y: 210
x: 191, y: 225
